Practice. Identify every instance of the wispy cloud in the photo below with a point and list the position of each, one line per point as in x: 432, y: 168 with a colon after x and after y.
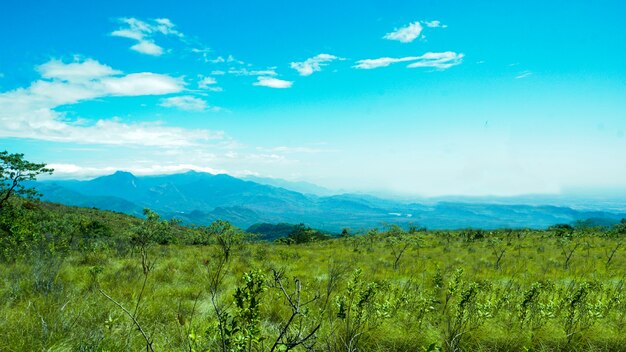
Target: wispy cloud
x: 272, y: 82
x: 245, y: 72
x: 212, y: 59
x: 523, y: 74
x: 207, y: 55
x: 204, y: 82
x: 412, y: 31
x: 368, y: 64
x: 313, y: 64
x: 231, y: 59
x: 85, y: 172
x: 31, y: 112
x: 405, y: 34
x: 440, y: 61
x: 144, y: 83
x: 266, y: 158
x: 143, y: 33
x: 217, y: 60
x: 208, y: 83
x: 75, y: 71
x: 185, y: 102
x: 434, y: 24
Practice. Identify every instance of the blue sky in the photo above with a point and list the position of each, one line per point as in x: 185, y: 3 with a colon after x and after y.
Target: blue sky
x: 417, y: 98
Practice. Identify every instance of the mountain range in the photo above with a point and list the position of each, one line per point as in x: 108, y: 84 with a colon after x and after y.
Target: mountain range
x: 200, y: 198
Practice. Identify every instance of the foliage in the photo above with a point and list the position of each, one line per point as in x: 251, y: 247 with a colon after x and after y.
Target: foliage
x: 271, y: 232
x: 82, y: 279
x: 303, y: 234
x: 14, y: 171
x: 242, y: 330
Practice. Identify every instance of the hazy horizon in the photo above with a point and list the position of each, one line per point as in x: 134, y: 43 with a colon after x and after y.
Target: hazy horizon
x: 432, y: 98
x: 593, y: 196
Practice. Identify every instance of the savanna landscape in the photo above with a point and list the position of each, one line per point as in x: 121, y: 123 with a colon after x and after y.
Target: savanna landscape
x: 83, y: 279
x: 326, y: 176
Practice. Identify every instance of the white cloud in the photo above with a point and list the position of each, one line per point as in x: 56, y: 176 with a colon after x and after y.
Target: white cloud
x: 204, y: 53
x: 523, y: 74
x: 434, y: 24
x: 216, y: 60
x: 272, y: 82
x: 166, y: 26
x: 185, y: 102
x: 231, y: 59
x: 147, y: 47
x: 75, y: 71
x: 31, y: 112
x: 86, y: 172
x: 313, y: 64
x: 368, y: 64
x: 405, y: 34
x: 143, y: 32
x: 144, y: 83
x: 412, y: 31
x: 245, y: 72
x: 262, y: 158
x: 205, y: 82
x: 130, y: 34
x: 440, y: 61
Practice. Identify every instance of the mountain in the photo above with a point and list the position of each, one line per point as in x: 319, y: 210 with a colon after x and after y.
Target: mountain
x: 296, y: 186
x: 65, y: 195
x: 200, y: 198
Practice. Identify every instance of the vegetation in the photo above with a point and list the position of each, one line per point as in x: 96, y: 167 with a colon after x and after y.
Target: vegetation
x: 83, y: 279
x: 14, y: 170
x: 89, y: 280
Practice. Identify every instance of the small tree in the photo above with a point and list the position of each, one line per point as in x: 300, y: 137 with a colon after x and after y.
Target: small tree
x: 568, y: 246
x: 359, y: 311
x: 152, y: 230
x: 399, y: 242
x: 562, y: 230
x: 294, y: 332
x: 304, y: 234
x: 498, y: 249
x: 14, y: 170
x: 226, y: 236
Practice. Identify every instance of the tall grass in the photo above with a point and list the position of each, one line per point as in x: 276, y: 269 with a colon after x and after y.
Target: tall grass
x: 501, y: 291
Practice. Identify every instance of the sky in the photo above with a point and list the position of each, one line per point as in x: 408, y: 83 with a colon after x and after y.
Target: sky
x: 423, y: 98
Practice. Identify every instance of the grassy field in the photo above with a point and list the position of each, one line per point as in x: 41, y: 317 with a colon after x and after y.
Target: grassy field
x: 76, y: 279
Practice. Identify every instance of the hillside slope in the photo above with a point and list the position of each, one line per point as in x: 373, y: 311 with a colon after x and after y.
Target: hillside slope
x: 200, y: 198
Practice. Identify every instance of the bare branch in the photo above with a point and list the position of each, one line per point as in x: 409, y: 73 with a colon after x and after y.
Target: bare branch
x: 143, y: 333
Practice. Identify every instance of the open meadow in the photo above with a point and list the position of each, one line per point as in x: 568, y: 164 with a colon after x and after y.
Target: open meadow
x: 328, y: 176
x: 75, y: 279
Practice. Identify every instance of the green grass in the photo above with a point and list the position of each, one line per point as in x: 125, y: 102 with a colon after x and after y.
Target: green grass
x: 445, y: 293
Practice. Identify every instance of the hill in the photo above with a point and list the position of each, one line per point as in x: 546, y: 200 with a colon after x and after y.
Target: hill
x: 200, y: 198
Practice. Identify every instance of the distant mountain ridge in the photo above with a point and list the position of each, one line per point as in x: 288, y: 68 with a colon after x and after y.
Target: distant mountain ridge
x: 296, y: 186
x: 200, y: 198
